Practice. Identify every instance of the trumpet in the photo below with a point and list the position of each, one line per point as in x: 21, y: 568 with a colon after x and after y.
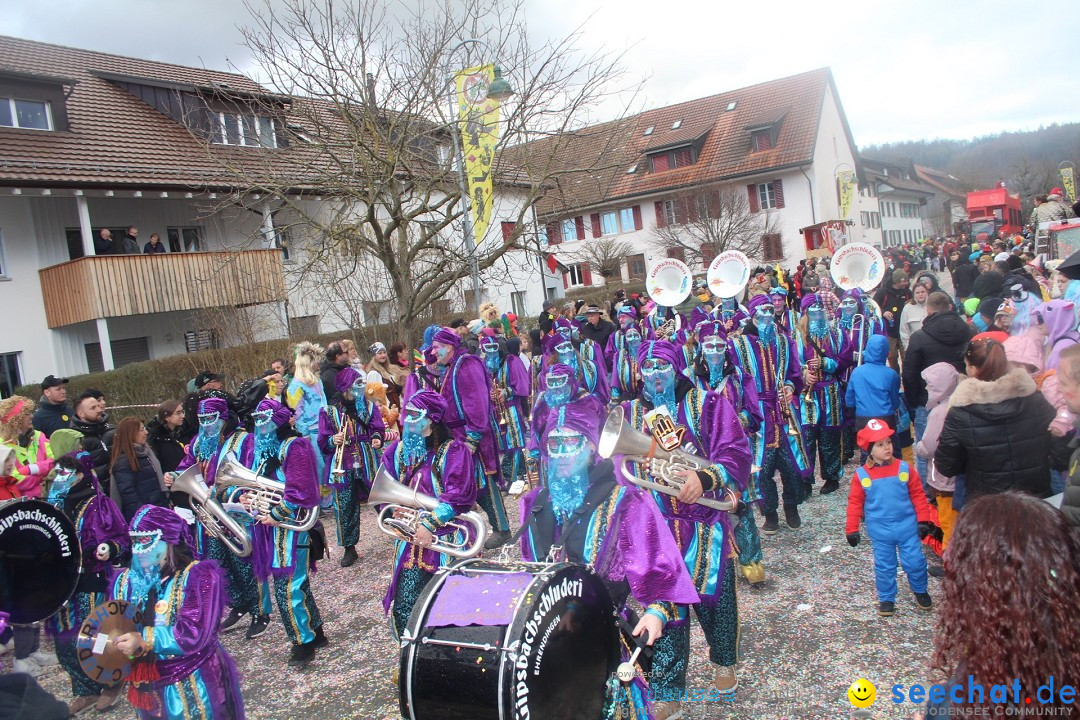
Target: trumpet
x: 338, y: 468
x: 786, y: 413
x: 215, y: 519
x: 499, y: 401
x: 267, y: 493
x: 404, y: 508
x: 618, y: 438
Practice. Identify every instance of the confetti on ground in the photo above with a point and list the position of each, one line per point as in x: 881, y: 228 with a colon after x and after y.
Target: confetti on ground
x: 796, y: 663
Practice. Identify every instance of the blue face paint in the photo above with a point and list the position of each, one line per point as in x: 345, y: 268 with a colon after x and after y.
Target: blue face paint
x: 765, y: 322
x: 147, y: 552
x: 443, y: 353
x: 847, y: 309
x: 633, y: 341
x: 817, y: 323
x: 728, y: 305
x: 414, y: 430
x: 567, y: 470
x: 658, y: 383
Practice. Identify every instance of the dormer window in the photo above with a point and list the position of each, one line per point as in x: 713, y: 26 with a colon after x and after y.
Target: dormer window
x: 242, y: 129
x: 672, y: 159
x: 763, y: 139
x: 28, y: 114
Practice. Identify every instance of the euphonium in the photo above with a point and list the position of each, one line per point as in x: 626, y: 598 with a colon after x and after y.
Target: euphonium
x: 266, y: 493
x: 404, y: 508
x: 213, y: 517
x: 618, y: 438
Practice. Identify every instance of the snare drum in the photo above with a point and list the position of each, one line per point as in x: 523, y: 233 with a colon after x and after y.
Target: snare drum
x: 40, y: 560
x: 499, y: 641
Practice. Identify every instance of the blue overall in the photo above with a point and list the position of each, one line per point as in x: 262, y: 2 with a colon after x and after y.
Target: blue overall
x: 891, y: 524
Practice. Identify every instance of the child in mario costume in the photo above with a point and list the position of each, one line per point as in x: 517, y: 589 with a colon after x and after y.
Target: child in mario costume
x: 889, y: 493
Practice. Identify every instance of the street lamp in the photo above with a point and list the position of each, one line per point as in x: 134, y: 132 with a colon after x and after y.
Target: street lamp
x: 500, y: 90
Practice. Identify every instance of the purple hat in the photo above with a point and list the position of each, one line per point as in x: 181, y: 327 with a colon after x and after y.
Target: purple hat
x: 432, y: 402
x: 627, y: 310
x: 429, y: 357
x: 214, y: 405
x: 280, y: 414
x: 586, y: 415
x: 446, y: 336
x: 807, y: 300
x: 346, y: 378
x: 661, y: 350
x: 756, y: 302
x: 547, y: 345
x: 174, y: 528
x: 560, y: 369
x: 706, y: 328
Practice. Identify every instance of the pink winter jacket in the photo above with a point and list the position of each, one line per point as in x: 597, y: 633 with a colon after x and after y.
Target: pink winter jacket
x: 1027, y: 349
x: 941, y: 379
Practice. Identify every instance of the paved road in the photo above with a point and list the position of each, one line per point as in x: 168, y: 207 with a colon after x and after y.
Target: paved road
x: 805, y: 636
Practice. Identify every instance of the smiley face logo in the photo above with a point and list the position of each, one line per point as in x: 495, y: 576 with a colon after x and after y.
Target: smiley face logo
x: 862, y: 693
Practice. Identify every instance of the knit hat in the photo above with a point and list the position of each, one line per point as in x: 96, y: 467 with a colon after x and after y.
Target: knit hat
x: 899, y: 276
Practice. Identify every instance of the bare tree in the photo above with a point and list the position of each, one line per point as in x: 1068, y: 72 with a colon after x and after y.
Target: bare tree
x: 706, y: 223
x: 368, y: 188
x: 605, y: 255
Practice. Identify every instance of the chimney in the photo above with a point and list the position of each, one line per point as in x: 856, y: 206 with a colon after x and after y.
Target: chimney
x: 371, y: 91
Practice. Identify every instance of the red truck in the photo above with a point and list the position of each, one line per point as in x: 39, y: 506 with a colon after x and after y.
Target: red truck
x: 994, y: 212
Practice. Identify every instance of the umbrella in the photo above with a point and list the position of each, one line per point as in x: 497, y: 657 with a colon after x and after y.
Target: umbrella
x: 1070, y: 268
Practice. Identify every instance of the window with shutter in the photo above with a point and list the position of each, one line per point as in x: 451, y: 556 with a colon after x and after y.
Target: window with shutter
x: 594, y: 221
x: 637, y: 217
x: 569, y: 230
x: 579, y: 226
x: 635, y: 267
x: 626, y: 221
x: 762, y: 140
x: 682, y: 158
x: 659, y: 163
x: 772, y: 246
x: 708, y: 252
x: 778, y: 192
x: 677, y: 253
x: 661, y: 221
x: 554, y: 233
x: 508, y: 228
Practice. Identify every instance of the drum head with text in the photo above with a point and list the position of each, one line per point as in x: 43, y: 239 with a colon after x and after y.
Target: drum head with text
x: 40, y: 560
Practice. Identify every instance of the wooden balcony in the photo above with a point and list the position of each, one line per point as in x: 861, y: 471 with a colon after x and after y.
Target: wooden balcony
x: 105, y: 286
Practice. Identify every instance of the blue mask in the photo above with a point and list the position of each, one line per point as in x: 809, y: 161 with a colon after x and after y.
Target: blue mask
x: 658, y: 383
x: 61, y: 485
x: 728, y: 305
x: 816, y: 322
x: 567, y: 470
x: 359, y: 390
x: 208, y: 441
x: 765, y: 322
x: 847, y: 311
x: 557, y: 391
x: 633, y: 341
x: 414, y: 429
x: 713, y: 350
x: 567, y: 354
x: 491, y: 356
x: 147, y: 552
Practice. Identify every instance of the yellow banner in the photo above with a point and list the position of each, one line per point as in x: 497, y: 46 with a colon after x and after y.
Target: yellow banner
x: 845, y: 181
x: 478, y: 116
x: 1069, y: 183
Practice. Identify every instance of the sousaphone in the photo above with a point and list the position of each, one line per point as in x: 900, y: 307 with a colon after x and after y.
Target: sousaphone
x: 668, y: 283
x: 857, y: 265
x: 729, y: 272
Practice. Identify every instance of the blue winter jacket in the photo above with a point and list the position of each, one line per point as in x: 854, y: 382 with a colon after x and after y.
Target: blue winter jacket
x: 874, y: 388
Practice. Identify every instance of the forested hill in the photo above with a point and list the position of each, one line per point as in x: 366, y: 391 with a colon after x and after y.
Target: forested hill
x: 1027, y: 161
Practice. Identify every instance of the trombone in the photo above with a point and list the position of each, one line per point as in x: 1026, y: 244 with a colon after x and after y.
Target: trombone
x: 855, y: 335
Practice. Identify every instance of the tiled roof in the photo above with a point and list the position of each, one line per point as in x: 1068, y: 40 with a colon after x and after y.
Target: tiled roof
x: 941, y: 180
x: 608, y: 150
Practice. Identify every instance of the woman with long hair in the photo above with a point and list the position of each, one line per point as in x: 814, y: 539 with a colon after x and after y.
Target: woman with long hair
x: 1012, y: 597
x: 137, y: 478
x: 305, y: 394
x: 392, y: 373
x: 996, y: 431
x: 164, y: 434
x: 33, y: 458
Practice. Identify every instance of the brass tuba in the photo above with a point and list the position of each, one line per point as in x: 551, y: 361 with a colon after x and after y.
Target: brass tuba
x: 618, y: 438
x: 215, y: 519
x: 403, y: 508
x: 267, y: 492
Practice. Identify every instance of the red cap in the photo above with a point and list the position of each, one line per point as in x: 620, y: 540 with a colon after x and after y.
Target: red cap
x: 1056, y: 191
x: 987, y: 248
x: 875, y: 430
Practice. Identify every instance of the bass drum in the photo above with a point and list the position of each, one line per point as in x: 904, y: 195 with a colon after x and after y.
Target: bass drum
x: 496, y: 641
x: 40, y: 560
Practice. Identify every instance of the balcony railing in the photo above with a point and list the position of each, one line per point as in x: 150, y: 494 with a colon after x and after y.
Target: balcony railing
x: 105, y: 286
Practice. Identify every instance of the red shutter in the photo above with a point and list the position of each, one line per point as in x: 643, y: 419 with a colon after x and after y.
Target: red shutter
x: 708, y: 253
x: 692, y: 208
x: 751, y: 191
x: 508, y: 231
x: 554, y: 233
x: 565, y: 280
x: 778, y: 192
x: 586, y: 274
x: 580, y: 223
x: 637, y: 217
x: 595, y: 220
x: 660, y: 220
x: 683, y: 157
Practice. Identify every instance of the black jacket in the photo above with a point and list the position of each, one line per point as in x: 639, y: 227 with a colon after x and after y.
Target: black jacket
x: 988, y: 285
x: 1070, y: 503
x: 963, y: 277
x: 599, y: 333
x: 893, y: 300
x: 997, y: 434
x: 328, y: 372
x: 137, y: 487
x: 48, y: 418
x: 166, y: 444
x: 944, y: 337
x: 97, y: 439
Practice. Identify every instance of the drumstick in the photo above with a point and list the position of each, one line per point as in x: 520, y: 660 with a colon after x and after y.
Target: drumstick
x: 626, y: 669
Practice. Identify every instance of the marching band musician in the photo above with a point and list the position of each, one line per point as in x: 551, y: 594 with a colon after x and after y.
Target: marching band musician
x: 563, y: 347
x: 510, y: 383
x: 713, y: 371
x: 613, y: 527
x: 430, y: 460
x: 352, y: 426
x: 705, y: 424
x: 625, y: 379
x: 786, y: 318
x: 280, y: 553
x: 180, y: 669
x: 103, y: 538
x: 768, y: 356
x: 825, y: 355
x: 466, y: 388
x: 731, y: 316
x: 213, y: 442
x: 427, y: 374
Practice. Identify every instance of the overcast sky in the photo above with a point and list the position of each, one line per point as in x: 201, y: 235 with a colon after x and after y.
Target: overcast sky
x: 906, y: 70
